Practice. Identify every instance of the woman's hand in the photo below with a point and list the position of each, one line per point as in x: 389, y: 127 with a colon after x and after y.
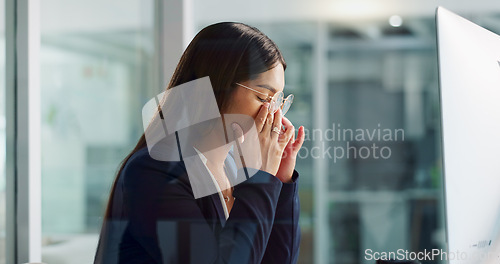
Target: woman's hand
x: 272, y: 144
x: 289, y: 157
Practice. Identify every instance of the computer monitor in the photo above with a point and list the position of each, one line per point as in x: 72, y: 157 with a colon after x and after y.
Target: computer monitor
x: 469, y: 71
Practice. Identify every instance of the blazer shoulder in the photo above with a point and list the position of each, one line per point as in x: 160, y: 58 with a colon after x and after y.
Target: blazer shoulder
x: 141, y: 163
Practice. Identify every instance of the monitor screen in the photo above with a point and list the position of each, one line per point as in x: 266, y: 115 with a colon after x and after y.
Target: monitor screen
x: 469, y: 69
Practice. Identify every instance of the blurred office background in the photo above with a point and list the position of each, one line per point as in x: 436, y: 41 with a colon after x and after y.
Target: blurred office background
x: 354, y: 64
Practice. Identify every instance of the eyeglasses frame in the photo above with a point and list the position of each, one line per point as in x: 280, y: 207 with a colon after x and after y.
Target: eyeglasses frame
x: 270, y: 98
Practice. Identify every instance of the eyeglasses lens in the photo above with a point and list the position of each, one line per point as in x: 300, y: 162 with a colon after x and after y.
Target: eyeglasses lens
x: 286, y: 104
x: 276, y: 102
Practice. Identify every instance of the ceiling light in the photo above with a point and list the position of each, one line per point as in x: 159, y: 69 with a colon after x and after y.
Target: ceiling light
x: 395, y: 21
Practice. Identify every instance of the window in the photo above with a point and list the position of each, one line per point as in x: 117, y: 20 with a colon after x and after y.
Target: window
x: 380, y: 192
x: 3, y: 121
x: 95, y: 78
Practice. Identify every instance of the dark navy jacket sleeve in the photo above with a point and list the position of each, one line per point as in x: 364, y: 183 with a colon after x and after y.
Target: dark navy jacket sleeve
x: 284, y: 241
x: 156, y: 219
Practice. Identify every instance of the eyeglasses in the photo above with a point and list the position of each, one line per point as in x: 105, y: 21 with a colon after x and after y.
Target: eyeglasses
x: 275, y: 102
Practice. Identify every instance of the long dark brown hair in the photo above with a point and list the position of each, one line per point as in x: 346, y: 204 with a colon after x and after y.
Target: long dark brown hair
x: 227, y: 52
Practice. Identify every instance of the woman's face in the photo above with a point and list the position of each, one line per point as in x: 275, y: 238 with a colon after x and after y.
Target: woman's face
x: 248, y: 102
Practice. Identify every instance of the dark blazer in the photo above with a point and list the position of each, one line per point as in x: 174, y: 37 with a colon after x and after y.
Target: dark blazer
x: 156, y: 219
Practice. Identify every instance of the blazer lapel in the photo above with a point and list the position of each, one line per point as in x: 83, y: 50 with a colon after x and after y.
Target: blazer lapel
x: 218, y: 206
x: 201, y: 182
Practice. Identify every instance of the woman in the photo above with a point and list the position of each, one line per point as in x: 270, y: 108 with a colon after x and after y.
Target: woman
x: 153, y: 214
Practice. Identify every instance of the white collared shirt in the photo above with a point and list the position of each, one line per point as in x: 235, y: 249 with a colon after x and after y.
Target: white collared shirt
x: 221, y: 196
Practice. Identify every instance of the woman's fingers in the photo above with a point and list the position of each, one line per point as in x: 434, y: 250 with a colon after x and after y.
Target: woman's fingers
x: 289, y: 126
x: 260, y: 120
x: 285, y: 138
x: 300, y: 139
x: 276, y: 126
x: 268, y: 124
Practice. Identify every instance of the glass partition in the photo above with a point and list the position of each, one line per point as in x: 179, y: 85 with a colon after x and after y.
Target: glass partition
x: 381, y: 140
x: 384, y: 181
x: 3, y: 121
x: 96, y: 66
